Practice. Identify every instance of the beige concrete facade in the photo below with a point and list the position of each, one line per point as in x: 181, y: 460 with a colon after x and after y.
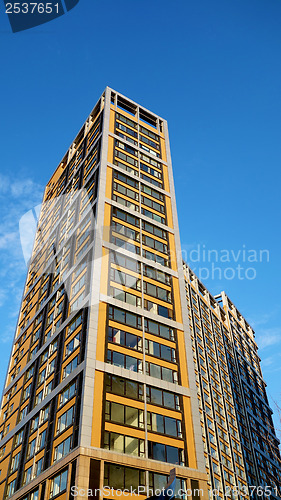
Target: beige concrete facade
x: 108, y: 315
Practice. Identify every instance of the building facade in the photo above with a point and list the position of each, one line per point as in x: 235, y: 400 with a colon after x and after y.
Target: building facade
x: 240, y: 444
x: 123, y: 365
x: 258, y: 438
x: 100, y: 389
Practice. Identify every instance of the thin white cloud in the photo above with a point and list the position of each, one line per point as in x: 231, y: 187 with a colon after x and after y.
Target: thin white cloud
x: 4, y: 184
x: 269, y: 361
x: 6, y: 239
x: 268, y: 337
x: 16, y: 198
x: 17, y: 188
x: 3, y: 295
x: 7, y: 335
x: 263, y: 319
x: 22, y: 188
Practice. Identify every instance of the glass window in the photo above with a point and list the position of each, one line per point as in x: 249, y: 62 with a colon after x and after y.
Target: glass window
x: 11, y: 488
x: 15, y: 462
x: 124, y: 361
x: 58, y: 484
x: 68, y: 369
x: 123, y: 444
x: 165, y: 453
x: 41, y: 377
x: 124, y: 414
x: 160, y: 350
x: 125, y: 317
x: 118, y: 359
x: 62, y: 449
x: 117, y: 385
x: 117, y: 442
x: 44, y: 414
x: 123, y: 387
x: 31, y: 448
x: 120, y: 477
x: 172, y: 454
x: 121, y: 337
x: 160, y: 372
x: 171, y: 426
x: 132, y: 363
x: 133, y: 389
x: 169, y: 399
x: 116, y: 412
x: 33, y: 495
x: 157, y: 451
x: 157, y: 423
x: 131, y: 445
x: 38, y: 467
x: 72, y: 345
x: 68, y: 393
x: 155, y: 395
x: 155, y: 370
x: 77, y: 321
x: 27, y: 476
x: 134, y: 417
x: 116, y: 475
x: 42, y: 439
x: 159, y: 329
x: 18, y: 438
x: 65, y: 420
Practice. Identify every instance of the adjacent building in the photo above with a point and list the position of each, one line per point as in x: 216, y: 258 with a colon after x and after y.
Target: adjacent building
x: 123, y: 365
x: 240, y: 444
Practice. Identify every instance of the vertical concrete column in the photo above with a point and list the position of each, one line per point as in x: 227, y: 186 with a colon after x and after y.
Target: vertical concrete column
x: 82, y: 476
x: 91, y: 344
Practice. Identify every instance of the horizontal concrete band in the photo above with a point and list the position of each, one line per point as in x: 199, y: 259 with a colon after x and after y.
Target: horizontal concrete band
x: 113, y: 457
x: 142, y: 378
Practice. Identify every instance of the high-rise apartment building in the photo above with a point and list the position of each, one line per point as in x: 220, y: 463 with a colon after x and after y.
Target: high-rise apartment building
x: 100, y: 388
x: 123, y: 365
x: 240, y: 444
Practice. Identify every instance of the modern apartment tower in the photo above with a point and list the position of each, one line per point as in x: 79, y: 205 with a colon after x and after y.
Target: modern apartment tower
x: 240, y: 444
x: 100, y: 389
x: 254, y: 415
x: 123, y: 365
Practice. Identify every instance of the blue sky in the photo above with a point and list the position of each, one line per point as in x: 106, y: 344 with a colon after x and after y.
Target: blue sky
x: 212, y: 69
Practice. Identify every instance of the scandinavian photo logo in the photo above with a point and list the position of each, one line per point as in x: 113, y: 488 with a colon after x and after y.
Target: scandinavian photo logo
x: 225, y: 264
